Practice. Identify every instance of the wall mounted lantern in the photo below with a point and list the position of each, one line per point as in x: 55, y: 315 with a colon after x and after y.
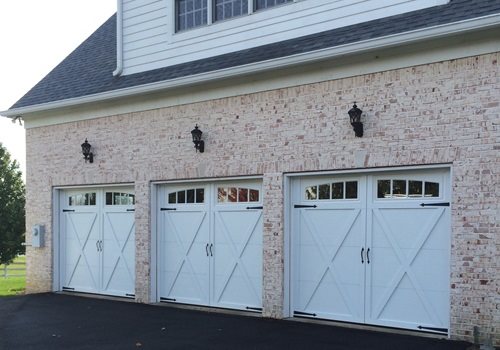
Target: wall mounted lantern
x: 87, y: 155
x: 198, y: 142
x: 355, y: 117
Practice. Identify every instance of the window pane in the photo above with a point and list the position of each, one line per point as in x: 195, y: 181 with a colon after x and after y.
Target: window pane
x: 172, y: 198
x: 383, y: 188
x: 131, y: 199
x: 190, y: 196
x: 324, y: 191
x: 92, y: 198
x: 225, y: 9
x: 232, y: 195
x: 181, y: 197
x: 80, y: 200
x: 431, y: 189
x: 222, y: 195
x: 242, y: 194
x: 200, y: 195
x: 109, y: 198
x: 338, y: 190
x: 254, y: 195
x: 71, y: 201
x: 312, y: 193
x: 191, y: 13
x: 399, y: 188
x: 415, y: 188
x: 351, y: 189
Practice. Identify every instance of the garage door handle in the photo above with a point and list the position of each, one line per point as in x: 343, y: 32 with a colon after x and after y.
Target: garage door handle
x: 368, y: 255
x: 362, y: 251
x: 211, y: 252
x: 206, y: 249
x: 97, y: 245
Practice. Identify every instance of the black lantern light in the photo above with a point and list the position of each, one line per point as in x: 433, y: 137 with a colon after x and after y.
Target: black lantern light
x: 87, y: 155
x: 198, y: 142
x: 355, y: 117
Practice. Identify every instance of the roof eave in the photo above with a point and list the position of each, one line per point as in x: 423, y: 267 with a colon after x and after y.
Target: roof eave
x: 409, y: 37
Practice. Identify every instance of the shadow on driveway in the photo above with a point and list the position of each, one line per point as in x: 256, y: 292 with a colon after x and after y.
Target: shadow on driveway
x: 53, y: 321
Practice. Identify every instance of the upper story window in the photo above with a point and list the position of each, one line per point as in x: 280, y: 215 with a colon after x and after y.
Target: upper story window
x: 195, y: 13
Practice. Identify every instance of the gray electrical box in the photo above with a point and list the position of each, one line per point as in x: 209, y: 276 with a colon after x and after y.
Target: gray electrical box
x: 37, y: 233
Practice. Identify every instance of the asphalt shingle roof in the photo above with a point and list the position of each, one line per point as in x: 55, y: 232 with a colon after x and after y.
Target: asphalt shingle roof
x: 88, y: 69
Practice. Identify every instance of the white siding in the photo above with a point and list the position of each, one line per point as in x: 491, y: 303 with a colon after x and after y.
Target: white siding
x: 150, y: 41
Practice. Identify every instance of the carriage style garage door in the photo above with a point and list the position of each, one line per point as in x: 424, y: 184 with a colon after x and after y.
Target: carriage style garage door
x: 97, y: 242
x: 210, y: 244
x: 373, y: 249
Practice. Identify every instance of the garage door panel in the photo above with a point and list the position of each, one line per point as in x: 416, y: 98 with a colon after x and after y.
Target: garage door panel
x: 238, y: 257
x: 118, y: 253
x: 184, y: 271
x: 407, y: 229
x: 328, y: 239
x: 82, y: 261
x: 395, y: 310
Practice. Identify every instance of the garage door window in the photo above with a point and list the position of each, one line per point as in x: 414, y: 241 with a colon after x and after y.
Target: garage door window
x: 397, y: 188
x: 191, y: 195
x: 237, y: 195
x: 86, y: 198
x: 118, y: 198
x: 332, y: 191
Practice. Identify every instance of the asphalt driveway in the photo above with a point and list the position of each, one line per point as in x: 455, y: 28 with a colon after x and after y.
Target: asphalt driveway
x: 54, y: 321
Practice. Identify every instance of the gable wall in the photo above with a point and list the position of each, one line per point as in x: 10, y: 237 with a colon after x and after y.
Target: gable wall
x: 150, y: 40
x: 441, y: 113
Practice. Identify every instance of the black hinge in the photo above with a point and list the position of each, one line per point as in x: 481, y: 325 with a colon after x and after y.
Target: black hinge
x: 130, y: 209
x: 68, y: 210
x: 254, y: 308
x: 67, y: 288
x: 165, y: 209
x: 444, y: 204
x: 300, y: 313
x: 167, y: 299
x: 255, y: 207
x: 304, y: 206
x: 130, y: 295
x: 442, y: 330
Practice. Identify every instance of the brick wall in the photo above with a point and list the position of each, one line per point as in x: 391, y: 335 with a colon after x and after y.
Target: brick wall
x: 446, y: 112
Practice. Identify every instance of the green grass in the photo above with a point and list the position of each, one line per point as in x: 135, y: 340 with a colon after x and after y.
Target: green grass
x: 13, y: 285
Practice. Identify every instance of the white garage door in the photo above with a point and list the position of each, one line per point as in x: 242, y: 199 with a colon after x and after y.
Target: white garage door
x: 373, y: 249
x: 98, y: 241
x: 210, y: 244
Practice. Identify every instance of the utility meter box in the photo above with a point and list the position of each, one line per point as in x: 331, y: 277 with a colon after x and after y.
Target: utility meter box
x: 37, y: 233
